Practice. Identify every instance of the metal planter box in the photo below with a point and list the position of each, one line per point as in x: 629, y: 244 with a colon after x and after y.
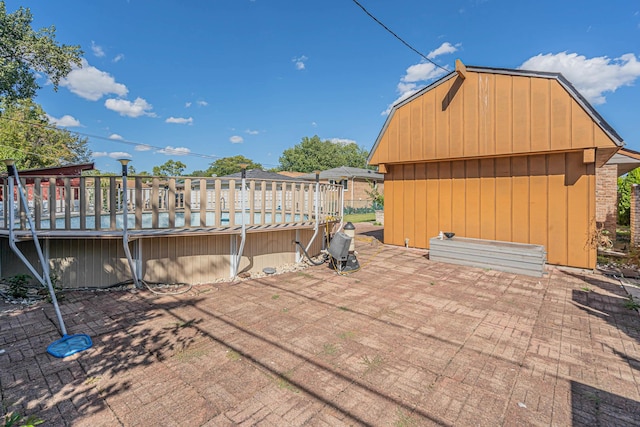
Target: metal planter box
x: 518, y: 258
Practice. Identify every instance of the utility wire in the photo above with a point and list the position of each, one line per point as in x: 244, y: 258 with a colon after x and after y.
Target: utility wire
x: 121, y: 141
x: 397, y: 36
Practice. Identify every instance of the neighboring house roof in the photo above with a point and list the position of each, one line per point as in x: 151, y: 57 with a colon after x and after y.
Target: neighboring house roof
x: 573, y: 92
x: 260, y: 174
x: 626, y: 159
x: 66, y: 170
x: 291, y: 174
x: 342, y: 172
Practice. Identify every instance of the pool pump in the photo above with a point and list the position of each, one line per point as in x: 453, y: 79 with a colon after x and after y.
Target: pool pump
x: 342, y: 250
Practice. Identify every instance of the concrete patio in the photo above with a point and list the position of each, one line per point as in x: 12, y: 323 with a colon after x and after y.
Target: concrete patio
x: 403, y: 342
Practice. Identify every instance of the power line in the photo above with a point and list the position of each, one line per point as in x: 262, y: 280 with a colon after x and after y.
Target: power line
x: 397, y: 36
x: 121, y: 141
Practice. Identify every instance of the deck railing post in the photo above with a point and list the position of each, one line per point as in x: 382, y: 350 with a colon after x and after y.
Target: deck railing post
x: 186, y: 202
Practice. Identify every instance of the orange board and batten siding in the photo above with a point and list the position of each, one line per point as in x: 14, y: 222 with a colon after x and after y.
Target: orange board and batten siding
x: 546, y: 200
x: 498, y: 155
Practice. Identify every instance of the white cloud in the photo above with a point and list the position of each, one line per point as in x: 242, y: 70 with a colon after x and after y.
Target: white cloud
x: 66, y: 121
x: 198, y: 103
x: 174, y: 151
x: 142, y: 147
x: 342, y: 141
x: 90, y: 83
x: 120, y: 155
x: 444, y: 48
x: 116, y: 137
x: 113, y: 154
x: 236, y: 139
x: 252, y: 132
x: 119, y: 57
x: 314, y: 124
x: 97, y: 50
x: 417, y: 75
x: 180, y: 120
x: 137, y: 108
x: 592, y: 77
x: 300, y: 62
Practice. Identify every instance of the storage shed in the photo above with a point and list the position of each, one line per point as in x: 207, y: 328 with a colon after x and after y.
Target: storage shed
x: 496, y: 154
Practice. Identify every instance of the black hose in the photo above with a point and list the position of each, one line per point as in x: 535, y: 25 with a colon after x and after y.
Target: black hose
x: 307, y: 255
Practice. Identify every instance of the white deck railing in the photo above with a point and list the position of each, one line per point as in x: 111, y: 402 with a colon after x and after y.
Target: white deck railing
x: 95, y: 202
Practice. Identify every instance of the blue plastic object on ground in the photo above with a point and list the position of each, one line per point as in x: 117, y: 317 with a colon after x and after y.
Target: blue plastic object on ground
x: 69, y: 344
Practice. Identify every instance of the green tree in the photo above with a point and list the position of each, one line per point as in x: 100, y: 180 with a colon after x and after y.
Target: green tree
x: 25, y: 53
x: 314, y: 154
x: 27, y: 137
x: 624, y: 195
x: 227, y: 165
x: 170, y: 168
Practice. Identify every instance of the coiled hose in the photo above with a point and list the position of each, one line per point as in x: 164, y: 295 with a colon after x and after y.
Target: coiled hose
x: 308, y: 257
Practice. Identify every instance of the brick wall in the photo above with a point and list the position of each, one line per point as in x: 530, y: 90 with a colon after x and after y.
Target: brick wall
x: 634, y: 207
x: 607, y: 198
x: 356, y: 194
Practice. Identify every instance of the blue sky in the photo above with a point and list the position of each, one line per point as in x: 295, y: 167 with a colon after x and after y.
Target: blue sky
x: 198, y: 80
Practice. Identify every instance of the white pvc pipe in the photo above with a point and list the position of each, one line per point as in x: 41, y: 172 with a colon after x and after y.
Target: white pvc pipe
x: 244, y: 227
x: 125, y: 232
x: 341, y: 209
x: 45, y: 279
x: 316, y: 226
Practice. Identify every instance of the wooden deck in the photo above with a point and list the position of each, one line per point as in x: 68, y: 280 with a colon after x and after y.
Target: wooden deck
x: 178, y: 229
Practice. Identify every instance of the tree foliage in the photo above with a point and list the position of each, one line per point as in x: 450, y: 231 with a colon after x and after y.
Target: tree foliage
x: 227, y: 165
x: 170, y: 168
x: 314, y: 154
x: 24, y: 53
x: 27, y: 137
x: 624, y: 195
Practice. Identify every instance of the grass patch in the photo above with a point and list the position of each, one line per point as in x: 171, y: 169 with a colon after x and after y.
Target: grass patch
x: 283, y: 381
x: 92, y: 380
x: 586, y: 289
x: 187, y: 355
x: 233, y: 355
x: 362, y: 217
x: 343, y: 308
x: 187, y: 324
x: 276, y: 296
x: 631, y: 304
x: 330, y: 349
x: 404, y: 420
x: 372, y: 364
x: 303, y: 274
x: 347, y: 335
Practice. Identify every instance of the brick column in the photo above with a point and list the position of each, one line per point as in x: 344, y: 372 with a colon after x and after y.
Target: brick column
x: 634, y: 223
x: 607, y: 198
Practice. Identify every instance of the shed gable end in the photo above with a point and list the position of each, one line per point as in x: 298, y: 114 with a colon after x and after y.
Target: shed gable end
x: 489, y: 115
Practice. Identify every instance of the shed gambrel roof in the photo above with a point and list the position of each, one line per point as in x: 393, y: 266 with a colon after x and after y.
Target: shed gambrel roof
x: 449, y: 85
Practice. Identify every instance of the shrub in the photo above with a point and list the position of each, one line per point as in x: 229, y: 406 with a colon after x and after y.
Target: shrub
x: 18, y: 285
x: 624, y: 192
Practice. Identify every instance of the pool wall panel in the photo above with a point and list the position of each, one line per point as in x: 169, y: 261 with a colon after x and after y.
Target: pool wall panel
x: 93, y: 262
